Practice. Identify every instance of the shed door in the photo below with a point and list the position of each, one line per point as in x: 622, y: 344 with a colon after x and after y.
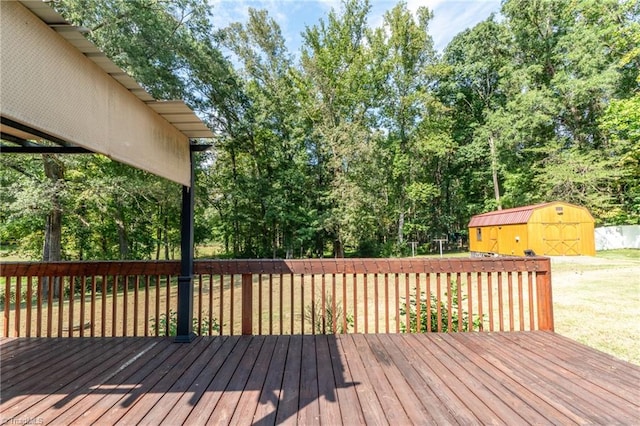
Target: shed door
x: 561, y: 239
x: 493, y: 240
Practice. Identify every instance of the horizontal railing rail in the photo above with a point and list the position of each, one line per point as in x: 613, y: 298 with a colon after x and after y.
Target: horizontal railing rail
x: 139, y: 298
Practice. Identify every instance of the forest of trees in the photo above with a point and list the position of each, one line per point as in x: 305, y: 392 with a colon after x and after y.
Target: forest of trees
x: 364, y: 140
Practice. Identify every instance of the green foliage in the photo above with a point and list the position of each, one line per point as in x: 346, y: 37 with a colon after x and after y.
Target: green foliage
x: 621, y: 125
x: 429, y: 312
x: 171, y: 321
x: 23, y: 298
x: 365, y: 142
x: 107, y: 210
x: 631, y: 254
x: 539, y: 97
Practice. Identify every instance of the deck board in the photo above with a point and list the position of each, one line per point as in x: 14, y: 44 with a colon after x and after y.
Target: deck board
x: 477, y: 393
x: 365, y: 390
x: 290, y: 390
x: 344, y: 394
x: 466, y: 408
x: 411, y: 374
x: 205, y: 406
x: 161, y: 408
x: 232, y: 393
x: 139, y: 397
x: 395, y: 413
x: 265, y: 411
x: 90, y: 404
x: 46, y: 355
x: 183, y: 407
x: 581, y: 392
x: 522, y: 399
x: 588, y: 381
x: 308, y: 407
x: 55, y: 383
x: 75, y: 383
x: 327, y: 396
x: 512, y: 409
x: 544, y: 377
x: 457, y: 378
x: 413, y: 410
x: 248, y: 402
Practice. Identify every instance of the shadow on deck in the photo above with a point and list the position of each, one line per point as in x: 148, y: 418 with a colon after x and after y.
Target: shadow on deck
x: 524, y: 377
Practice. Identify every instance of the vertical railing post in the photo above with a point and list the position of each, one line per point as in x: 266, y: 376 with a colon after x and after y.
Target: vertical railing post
x: 185, y: 332
x: 247, y: 304
x: 7, y: 299
x: 544, y: 296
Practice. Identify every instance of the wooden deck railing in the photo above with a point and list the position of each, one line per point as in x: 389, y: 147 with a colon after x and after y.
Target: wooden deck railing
x: 278, y: 296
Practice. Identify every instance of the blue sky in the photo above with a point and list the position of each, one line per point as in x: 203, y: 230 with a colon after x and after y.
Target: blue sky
x: 450, y: 16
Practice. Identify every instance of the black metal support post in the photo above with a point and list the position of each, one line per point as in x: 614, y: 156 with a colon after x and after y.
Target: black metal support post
x: 185, y: 332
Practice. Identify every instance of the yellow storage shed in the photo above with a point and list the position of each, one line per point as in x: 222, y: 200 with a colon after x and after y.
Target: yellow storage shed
x: 550, y: 229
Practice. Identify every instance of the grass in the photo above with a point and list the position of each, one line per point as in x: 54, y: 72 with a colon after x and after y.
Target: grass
x: 598, y: 303
x: 208, y: 251
x: 633, y: 254
x: 8, y: 254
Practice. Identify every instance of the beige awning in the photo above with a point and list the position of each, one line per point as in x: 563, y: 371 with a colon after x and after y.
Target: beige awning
x: 56, y: 82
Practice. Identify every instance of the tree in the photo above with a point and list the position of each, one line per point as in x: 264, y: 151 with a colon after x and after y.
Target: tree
x: 335, y: 62
x: 472, y: 85
x: 267, y: 182
x: 365, y: 142
x: 564, y: 56
x: 169, y: 47
x: 25, y: 196
x: 621, y: 124
x: 416, y: 136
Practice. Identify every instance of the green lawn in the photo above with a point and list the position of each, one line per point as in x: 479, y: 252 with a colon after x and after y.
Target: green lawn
x: 620, y: 254
x: 597, y: 301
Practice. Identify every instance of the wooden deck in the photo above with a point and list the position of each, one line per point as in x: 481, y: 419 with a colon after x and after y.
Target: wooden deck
x: 461, y: 378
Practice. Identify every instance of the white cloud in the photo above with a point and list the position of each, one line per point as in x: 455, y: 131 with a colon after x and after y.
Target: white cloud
x: 450, y: 16
x: 453, y: 17
x: 329, y: 4
x: 413, y: 5
x: 225, y: 12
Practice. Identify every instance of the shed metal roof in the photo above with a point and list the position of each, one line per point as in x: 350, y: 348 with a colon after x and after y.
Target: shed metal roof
x: 512, y: 216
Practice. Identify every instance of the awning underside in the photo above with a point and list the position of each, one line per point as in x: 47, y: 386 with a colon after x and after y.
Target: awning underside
x: 60, y: 93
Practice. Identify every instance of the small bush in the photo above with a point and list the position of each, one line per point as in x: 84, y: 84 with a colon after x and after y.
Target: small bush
x: 172, y: 320
x: 23, y: 299
x: 329, y: 317
x: 446, y: 327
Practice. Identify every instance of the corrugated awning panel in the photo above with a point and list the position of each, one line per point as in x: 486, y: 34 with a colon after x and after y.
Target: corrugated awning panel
x: 51, y: 87
x: 75, y: 36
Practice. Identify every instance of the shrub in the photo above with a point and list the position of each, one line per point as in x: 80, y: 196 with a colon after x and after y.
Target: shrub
x: 446, y: 327
x: 172, y: 320
x: 23, y: 299
x: 329, y: 317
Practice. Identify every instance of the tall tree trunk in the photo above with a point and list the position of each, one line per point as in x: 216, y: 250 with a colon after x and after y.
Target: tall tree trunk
x: 158, y: 242
x: 52, y: 247
x: 104, y: 245
x: 123, y: 242
x: 401, y: 229
x: 274, y: 241
x: 494, y: 171
x: 158, y: 234
x: 338, y: 248
x: 166, y: 237
x: 235, y: 236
